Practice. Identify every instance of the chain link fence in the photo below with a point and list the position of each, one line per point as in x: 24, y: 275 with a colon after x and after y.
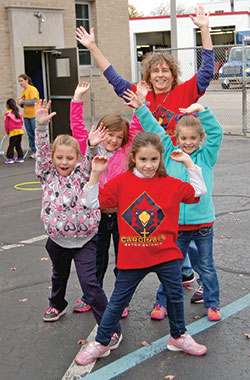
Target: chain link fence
x: 227, y: 96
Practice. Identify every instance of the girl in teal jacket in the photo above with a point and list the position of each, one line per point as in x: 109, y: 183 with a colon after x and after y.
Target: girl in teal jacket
x: 195, y: 221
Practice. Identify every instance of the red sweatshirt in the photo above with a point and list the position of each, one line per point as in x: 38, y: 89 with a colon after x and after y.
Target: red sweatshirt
x: 148, y: 212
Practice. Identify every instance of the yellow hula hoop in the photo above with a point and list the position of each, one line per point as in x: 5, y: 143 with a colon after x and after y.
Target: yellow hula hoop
x: 18, y: 186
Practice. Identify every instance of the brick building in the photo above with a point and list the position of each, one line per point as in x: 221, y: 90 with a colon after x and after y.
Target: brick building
x: 33, y: 32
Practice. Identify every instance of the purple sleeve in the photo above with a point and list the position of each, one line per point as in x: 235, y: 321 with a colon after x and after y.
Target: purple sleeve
x: 117, y: 81
x: 206, y: 71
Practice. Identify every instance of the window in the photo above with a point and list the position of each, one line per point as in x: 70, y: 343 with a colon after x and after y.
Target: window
x: 83, y: 19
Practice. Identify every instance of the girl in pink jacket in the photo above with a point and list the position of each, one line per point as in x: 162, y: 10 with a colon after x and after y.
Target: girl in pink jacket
x: 13, y: 122
x: 117, y: 148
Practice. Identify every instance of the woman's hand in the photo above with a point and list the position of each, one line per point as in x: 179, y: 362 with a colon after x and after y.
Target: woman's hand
x: 42, y: 111
x: 96, y: 135
x: 86, y: 39
x: 202, y: 18
x: 195, y: 107
x: 80, y: 90
x: 142, y: 89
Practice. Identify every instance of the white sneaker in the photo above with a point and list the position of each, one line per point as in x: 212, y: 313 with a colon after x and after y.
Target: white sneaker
x: 33, y: 155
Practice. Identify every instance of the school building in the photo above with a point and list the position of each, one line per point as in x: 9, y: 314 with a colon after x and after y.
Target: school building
x: 38, y: 38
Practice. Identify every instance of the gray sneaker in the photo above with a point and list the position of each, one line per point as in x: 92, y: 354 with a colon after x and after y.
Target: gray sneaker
x: 115, y: 341
x: 52, y: 314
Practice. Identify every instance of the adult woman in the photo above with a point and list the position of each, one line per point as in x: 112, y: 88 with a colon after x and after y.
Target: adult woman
x: 28, y: 98
x: 166, y: 95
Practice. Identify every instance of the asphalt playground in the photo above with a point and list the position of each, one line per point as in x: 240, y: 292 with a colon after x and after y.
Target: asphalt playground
x: 33, y: 350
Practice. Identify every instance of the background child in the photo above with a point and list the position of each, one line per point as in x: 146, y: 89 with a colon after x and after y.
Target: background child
x: 70, y: 225
x: 148, y: 226
x: 13, y: 122
x: 195, y: 221
x: 116, y: 147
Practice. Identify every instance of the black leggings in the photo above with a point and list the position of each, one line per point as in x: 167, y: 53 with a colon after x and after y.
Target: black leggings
x: 15, y: 142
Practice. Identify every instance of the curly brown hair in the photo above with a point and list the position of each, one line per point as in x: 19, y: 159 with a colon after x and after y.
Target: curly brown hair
x: 153, y: 58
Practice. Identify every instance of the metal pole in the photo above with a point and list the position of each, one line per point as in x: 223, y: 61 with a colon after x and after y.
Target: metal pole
x: 173, y: 21
x: 244, y: 89
x: 92, y: 96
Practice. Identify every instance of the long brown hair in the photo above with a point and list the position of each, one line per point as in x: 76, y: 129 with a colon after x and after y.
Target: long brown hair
x: 117, y: 123
x: 11, y: 103
x: 26, y: 77
x: 144, y: 139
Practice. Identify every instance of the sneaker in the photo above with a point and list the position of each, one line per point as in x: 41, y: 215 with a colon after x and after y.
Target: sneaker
x: 125, y: 312
x: 187, y: 344
x: 91, y: 352
x: 159, y: 312
x: 19, y: 160
x: 80, y: 306
x: 33, y: 155
x: 197, y: 297
x: 52, y: 314
x: 187, y: 280
x: 213, y: 314
x: 9, y: 161
x: 115, y: 341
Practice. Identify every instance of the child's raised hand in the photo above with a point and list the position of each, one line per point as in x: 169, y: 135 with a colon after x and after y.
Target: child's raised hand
x: 96, y: 135
x: 179, y: 156
x: 132, y: 99
x: 85, y: 38
x: 142, y: 90
x: 99, y: 164
x: 202, y: 18
x: 80, y: 90
x: 42, y: 111
x: 195, y: 107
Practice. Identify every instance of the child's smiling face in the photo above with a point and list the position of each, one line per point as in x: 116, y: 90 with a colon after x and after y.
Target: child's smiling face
x: 147, y: 160
x: 113, y: 140
x: 189, y: 139
x: 64, y: 159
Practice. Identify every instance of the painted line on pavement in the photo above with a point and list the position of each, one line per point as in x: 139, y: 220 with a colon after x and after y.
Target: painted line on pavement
x: 129, y: 361
x: 22, y: 242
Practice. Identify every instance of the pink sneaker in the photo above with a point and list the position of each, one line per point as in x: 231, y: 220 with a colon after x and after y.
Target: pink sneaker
x: 187, y: 344
x: 91, y: 352
x: 213, y: 314
x: 159, y: 312
x: 125, y: 312
x: 80, y: 306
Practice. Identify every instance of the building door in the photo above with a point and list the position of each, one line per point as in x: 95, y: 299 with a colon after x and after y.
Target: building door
x: 62, y: 77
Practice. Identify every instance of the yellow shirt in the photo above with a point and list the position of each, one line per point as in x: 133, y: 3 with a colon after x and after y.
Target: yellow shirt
x: 28, y: 94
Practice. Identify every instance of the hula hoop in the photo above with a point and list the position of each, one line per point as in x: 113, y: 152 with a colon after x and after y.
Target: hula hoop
x: 18, y: 186
x: 2, y: 151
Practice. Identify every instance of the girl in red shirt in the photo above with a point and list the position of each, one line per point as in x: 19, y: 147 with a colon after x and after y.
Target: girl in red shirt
x: 148, y: 227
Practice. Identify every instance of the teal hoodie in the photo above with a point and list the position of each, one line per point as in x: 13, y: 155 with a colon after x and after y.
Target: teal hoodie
x: 205, y: 157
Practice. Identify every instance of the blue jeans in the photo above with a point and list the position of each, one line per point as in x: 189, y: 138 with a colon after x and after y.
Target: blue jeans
x: 187, y: 270
x: 204, y: 241
x: 30, y: 126
x: 108, y: 227
x: 169, y: 274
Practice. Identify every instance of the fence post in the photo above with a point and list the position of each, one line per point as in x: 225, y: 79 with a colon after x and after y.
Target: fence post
x: 244, y: 89
x: 92, y: 96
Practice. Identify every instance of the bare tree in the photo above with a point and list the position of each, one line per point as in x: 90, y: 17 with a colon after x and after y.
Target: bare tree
x: 163, y: 9
x: 132, y: 11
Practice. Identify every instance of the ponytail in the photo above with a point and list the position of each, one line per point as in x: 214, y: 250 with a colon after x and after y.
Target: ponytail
x: 11, y: 103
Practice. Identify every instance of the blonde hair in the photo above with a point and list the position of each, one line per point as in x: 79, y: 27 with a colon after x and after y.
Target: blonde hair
x: 65, y: 140
x: 115, y: 122
x: 190, y: 121
x: 144, y: 139
x: 153, y: 58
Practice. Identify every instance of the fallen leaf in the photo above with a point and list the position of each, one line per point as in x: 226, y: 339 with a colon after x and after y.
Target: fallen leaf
x: 145, y: 343
x: 225, y: 237
x: 170, y: 377
x: 82, y: 341
x: 243, y: 288
x: 49, y: 287
x: 44, y: 258
x: 241, y: 275
x: 13, y: 268
x: 197, y: 317
x: 247, y: 336
x: 23, y: 300
x: 236, y: 219
x: 230, y: 213
x: 248, y: 355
